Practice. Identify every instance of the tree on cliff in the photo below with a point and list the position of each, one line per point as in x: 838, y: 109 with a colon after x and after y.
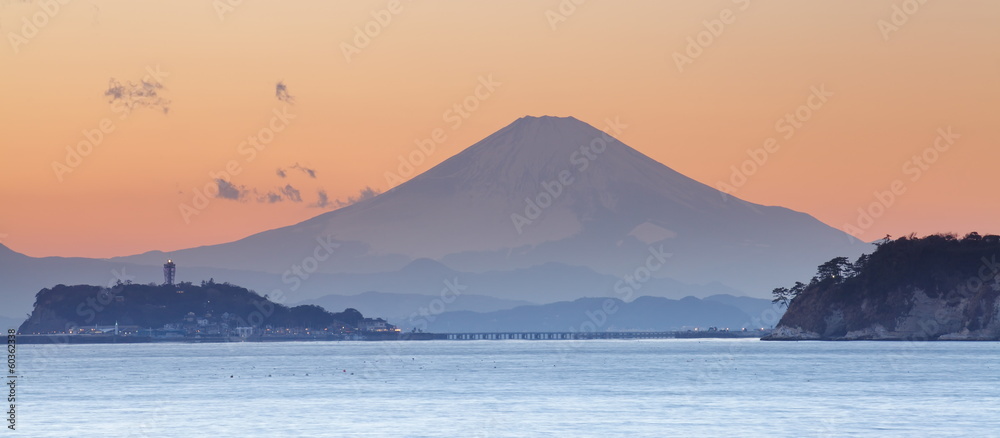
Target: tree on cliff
x: 783, y: 295
x: 836, y: 270
x: 881, y: 289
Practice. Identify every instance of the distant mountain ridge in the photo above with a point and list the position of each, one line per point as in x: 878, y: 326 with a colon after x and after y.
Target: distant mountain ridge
x: 598, y: 314
x: 400, y: 308
x: 417, y: 282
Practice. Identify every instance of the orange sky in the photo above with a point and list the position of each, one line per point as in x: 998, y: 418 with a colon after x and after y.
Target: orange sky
x: 606, y: 59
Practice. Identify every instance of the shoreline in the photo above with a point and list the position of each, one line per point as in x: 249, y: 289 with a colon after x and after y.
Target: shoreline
x: 372, y: 337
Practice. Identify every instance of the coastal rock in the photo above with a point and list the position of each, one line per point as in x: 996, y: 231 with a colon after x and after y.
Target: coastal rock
x: 783, y: 333
x: 935, y: 288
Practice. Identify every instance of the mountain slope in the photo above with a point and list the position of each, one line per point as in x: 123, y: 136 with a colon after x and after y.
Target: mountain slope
x: 547, y: 189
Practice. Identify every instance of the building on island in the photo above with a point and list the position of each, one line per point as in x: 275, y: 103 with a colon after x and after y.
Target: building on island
x: 376, y: 325
x: 169, y: 270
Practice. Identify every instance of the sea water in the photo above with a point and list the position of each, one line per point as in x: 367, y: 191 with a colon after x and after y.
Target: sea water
x: 656, y: 388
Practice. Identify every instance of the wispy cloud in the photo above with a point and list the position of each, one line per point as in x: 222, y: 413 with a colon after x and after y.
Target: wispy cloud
x: 306, y: 170
x: 235, y: 192
x: 145, y: 94
x: 291, y: 193
x: 282, y: 172
x: 364, y: 195
x: 240, y: 193
x: 281, y: 92
x: 270, y: 198
x: 323, y: 201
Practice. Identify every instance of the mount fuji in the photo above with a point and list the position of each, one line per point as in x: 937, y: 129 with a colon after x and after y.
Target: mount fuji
x: 543, y: 192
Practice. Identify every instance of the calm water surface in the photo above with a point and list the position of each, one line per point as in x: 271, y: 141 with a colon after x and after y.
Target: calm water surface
x: 511, y: 388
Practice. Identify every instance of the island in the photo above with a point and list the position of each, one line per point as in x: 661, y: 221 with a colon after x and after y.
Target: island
x: 185, y: 312
x: 938, y: 287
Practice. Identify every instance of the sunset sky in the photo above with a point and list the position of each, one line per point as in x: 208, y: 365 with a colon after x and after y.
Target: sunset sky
x: 900, y: 73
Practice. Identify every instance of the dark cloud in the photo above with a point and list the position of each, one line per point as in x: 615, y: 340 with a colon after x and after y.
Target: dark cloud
x: 364, y: 195
x: 323, y: 201
x: 291, y: 193
x: 270, y: 198
x: 145, y: 94
x: 228, y: 190
x: 281, y: 92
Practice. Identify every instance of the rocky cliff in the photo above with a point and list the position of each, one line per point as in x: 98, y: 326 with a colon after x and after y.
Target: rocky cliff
x: 933, y: 288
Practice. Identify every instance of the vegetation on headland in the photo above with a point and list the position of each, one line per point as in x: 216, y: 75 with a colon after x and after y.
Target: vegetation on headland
x: 935, y: 287
x: 209, y: 309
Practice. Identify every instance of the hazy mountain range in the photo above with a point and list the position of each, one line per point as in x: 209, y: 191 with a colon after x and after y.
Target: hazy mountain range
x: 471, y: 313
x: 546, y: 209
x: 600, y: 314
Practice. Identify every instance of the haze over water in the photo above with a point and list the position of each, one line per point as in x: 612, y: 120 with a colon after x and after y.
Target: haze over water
x: 512, y: 388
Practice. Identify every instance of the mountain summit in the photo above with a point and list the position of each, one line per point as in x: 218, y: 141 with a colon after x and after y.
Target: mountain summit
x: 543, y: 190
